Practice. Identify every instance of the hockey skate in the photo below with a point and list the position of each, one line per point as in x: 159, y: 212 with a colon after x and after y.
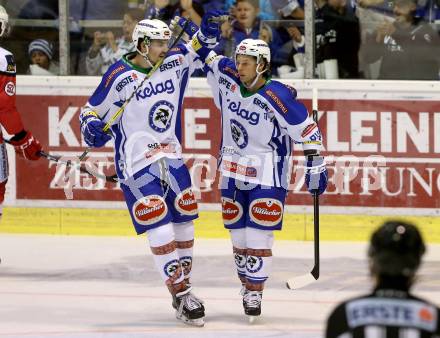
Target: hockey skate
x: 252, y: 304
x: 189, y: 309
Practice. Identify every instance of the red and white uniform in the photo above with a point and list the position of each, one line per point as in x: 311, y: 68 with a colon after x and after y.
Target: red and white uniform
x: 9, y: 116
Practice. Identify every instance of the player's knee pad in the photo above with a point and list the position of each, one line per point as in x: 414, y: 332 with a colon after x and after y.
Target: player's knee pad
x: 258, y: 265
x: 161, y: 235
x: 184, y: 231
x: 259, y: 239
x: 238, y: 238
x: 166, y: 258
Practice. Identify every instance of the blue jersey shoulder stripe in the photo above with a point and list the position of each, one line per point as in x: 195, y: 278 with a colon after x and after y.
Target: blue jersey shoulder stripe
x: 180, y: 49
x: 283, y: 99
x: 107, y: 81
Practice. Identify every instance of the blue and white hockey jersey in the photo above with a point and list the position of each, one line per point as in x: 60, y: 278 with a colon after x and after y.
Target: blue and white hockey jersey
x: 150, y: 126
x: 259, y: 129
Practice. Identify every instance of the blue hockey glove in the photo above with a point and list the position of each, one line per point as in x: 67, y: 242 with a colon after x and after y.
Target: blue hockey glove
x: 92, y: 129
x: 316, y: 174
x: 191, y: 28
x: 210, y: 31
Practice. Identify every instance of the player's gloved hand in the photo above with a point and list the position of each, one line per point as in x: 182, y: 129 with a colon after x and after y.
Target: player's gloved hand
x: 210, y: 31
x: 26, y: 145
x: 316, y: 174
x: 92, y: 129
x: 188, y: 26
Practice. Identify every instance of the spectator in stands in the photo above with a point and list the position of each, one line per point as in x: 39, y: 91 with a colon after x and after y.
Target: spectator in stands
x: 390, y: 310
x: 190, y: 9
x: 338, y: 37
x: 408, y: 47
x: 156, y: 9
x: 246, y: 25
x: 106, y: 50
x: 289, y: 9
x: 41, y: 54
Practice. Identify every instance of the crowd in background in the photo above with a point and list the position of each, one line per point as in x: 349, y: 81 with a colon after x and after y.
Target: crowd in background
x: 357, y: 39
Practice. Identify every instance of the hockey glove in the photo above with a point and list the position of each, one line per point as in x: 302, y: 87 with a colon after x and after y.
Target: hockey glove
x: 92, y: 129
x: 191, y: 28
x: 316, y: 174
x: 26, y: 145
x: 210, y: 31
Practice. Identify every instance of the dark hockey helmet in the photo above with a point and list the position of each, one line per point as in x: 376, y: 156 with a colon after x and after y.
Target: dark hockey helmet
x: 396, y: 249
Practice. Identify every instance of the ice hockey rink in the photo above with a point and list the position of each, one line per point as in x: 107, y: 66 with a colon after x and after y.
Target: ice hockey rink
x: 90, y: 287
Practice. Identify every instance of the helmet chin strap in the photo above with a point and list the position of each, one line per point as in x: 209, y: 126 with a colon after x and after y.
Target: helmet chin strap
x: 145, y: 54
x: 256, y: 78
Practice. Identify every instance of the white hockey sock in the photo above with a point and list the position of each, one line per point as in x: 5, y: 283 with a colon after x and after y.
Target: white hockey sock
x: 259, y: 257
x: 184, y: 234
x: 238, y: 238
x: 166, y: 258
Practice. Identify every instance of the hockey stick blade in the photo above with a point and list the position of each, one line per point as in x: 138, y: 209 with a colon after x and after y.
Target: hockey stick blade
x: 299, y: 282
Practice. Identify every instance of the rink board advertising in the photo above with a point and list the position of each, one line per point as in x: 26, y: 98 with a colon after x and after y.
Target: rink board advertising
x: 382, y: 144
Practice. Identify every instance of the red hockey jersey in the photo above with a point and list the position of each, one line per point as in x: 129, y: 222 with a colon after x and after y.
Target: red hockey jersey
x: 9, y: 116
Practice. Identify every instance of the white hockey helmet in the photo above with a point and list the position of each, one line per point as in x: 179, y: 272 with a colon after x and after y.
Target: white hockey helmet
x: 4, y: 21
x: 254, y: 47
x: 150, y: 30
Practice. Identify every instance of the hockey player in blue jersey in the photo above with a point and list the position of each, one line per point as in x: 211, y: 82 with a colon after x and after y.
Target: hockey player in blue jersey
x: 148, y: 154
x: 261, y: 120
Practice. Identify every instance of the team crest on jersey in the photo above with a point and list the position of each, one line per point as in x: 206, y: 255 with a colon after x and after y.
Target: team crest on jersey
x: 149, y: 210
x: 239, y: 134
x: 266, y: 211
x: 160, y: 116
x: 231, y: 211
x: 186, y: 203
x: 10, y: 88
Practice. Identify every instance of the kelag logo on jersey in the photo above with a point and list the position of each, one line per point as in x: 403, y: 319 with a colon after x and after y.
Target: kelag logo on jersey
x: 252, y: 117
x: 158, y: 88
x: 239, y: 134
x: 160, y: 116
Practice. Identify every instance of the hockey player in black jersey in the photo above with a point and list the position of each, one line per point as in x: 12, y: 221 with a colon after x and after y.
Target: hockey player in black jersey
x: 391, y: 310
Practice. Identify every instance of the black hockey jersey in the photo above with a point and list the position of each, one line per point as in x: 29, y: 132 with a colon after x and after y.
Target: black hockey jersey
x: 384, y: 314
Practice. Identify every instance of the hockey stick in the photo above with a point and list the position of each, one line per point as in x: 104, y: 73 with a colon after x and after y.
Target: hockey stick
x: 304, y: 280
x: 69, y: 163
x: 82, y: 168
x: 127, y: 101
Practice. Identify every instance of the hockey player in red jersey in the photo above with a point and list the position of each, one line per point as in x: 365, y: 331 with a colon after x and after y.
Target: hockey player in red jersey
x: 24, y: 143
